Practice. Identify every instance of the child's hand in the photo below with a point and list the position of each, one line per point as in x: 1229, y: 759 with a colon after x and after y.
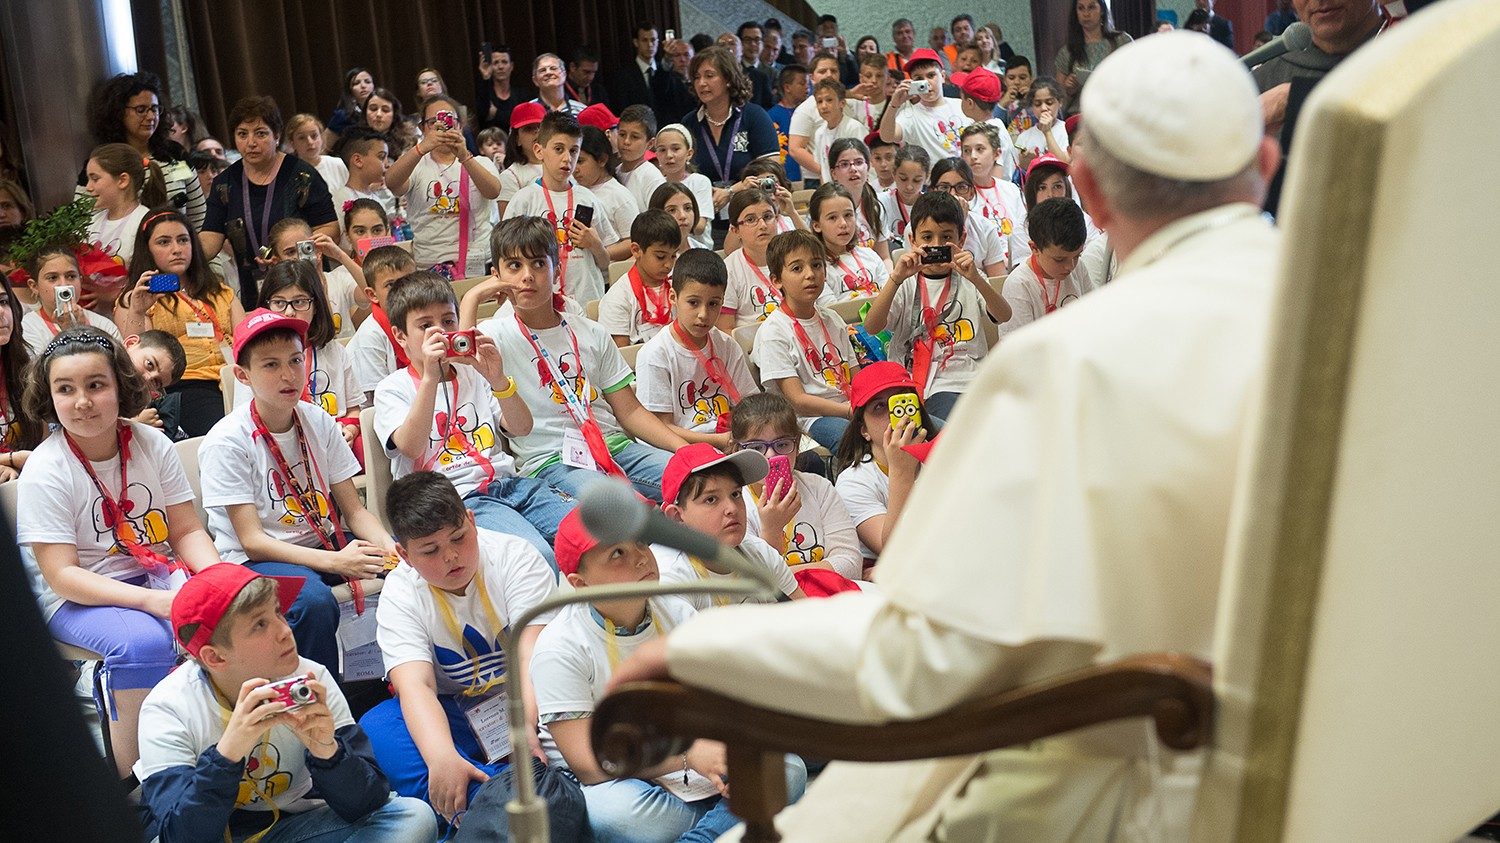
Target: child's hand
x: 907, y: 265
x: 359, y: 560
x: 313, y: 723
x: 583, y: 236
x: 963, y: 262
x: 898, y: 461
x: 326, y: 247
x: 448, y: 784
x: 777, y: 509
x: 487, y: 361
x: 141, y: 298
x: 151, y: 417
x: 254, y: 714
x: 434, y: 349
x: 709, y: 759
x: 902, y: 95
x: 349, y: 431
x: 785, y: 203
x: 159, y: 602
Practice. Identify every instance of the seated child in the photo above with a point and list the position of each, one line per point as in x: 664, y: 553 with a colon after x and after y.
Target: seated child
x: 877, y: 471
x: 636, y: 136
x: 571, y: 667
x: 441, y: 621
x: 750, y: 296
x: 55, y: 268
x: 933, y: 310
x: 679, y: 201
x: 223, y: 756
x: 674, y: 157
x: 367, y: 154
x: 912, y: 165
x: 705, y: 489
x: 278, y: 484
x: 807, y: 521
x: 834, y: 122
x: 882, y: 163
x: 160, y: 361
x: 596, y: 171
x: 557, y: 198
x: 996, y: 197
x: 803, y: 348
x: 343, y: 286
x: 19, y: 433
x: 374, y: 351
x: 854, y: 271
x: 564, y: 365
x: 525, y: 165
x: 364, y: 219
x: 446, y: 412
x: 1053, y: 275
x: 692, y: 373
x: 638, y: 306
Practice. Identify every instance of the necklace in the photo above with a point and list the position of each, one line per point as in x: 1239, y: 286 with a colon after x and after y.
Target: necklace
x: 717, y: 124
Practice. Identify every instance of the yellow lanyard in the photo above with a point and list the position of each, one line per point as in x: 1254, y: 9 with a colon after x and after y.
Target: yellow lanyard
x: 703, y: 575
x: 255, y: 790
x: 478, y: 689
x: 786, y: 534
x: 612, y: 647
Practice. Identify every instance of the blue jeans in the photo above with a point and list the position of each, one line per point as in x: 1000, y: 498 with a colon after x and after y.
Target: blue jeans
x: 398, y: 819
x: 939, y: 405
x: 524, y: 507
x: 637, y: 811
x: 642, y: 463
x: 827, y: 431
x: 314, y: 617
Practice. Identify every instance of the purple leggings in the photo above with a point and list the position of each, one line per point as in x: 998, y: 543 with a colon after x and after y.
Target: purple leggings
x: 137, y: 646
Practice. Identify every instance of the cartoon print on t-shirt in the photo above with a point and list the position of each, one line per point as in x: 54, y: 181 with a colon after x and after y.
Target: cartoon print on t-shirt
x: 320, y: 392
x: 263, y: 776
x: 763, y: 299
x: 703, y: 399
x: 803, y: 545
x: 949, y: 132
x: 444, y: 197
x: 144, y: 524
x: 828, y: 365
x: 572, y: 372
x: 476, y: 661
x: 291, y: 507
x: 466, y: 430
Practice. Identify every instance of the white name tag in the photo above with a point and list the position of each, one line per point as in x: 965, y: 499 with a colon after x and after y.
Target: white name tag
x: 358, y: 652
x: 575, y: 450
x: 488, y: 720
x: 200, y: 330
x: 697, y: 786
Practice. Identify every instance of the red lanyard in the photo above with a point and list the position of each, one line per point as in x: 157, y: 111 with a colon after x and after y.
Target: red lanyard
x: 862, y: 280
x: 1048, y: 305
x: 309, y: 365
x: 901, y: 209
x: 48, y: 321
x: 378, y: 313
x: 765, y: 284
x: 116, y: 509
x: 921, y: 353
x: 450, y: 425
x: 712, y: 364
x: 991, y: 209
x: 821, y: 362
x: 656, y: 308
x: 579, y: 406
x: 564, y: 246
x: 204, y: 315
x: 6, y: 422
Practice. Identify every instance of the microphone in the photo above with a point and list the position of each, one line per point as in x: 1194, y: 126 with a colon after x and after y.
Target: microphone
x: 613, y: 513
x: 1295, y: 37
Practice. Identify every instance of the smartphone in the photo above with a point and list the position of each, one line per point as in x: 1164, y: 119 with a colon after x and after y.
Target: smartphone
x: 671, y: 35
x: 830, y: 43
x: 445, y: 120
x: 781, y: 472
x: 164, y: 282
x: 904, y: 406
x: 584, y: 214
x: 364, y: 245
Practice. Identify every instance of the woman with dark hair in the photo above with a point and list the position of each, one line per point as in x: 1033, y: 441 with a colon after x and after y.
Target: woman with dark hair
x: 127, y: 109
x: 1091, y: 37
x: 496, y: 96
x: 262, y: 188
x: 728, y: 130
x: 382, y: 113
x: 358, y: 83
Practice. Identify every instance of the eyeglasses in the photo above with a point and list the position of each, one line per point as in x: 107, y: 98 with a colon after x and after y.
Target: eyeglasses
x: 143, y: 110
x: 961, y: 188
x: 764, y: 219
x: 301, y: 305
x: 784, y: 446
x: 853, y: 164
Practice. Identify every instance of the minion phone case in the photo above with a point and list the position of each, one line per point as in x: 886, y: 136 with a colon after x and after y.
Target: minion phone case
x: 905, y: 406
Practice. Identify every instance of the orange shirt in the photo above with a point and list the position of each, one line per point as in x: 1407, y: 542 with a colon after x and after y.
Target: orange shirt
x: 204, y: 357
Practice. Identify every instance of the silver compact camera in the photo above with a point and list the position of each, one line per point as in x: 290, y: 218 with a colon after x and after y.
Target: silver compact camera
x: 64, y: 294
x: 307, y: 250
x: 767, y: 183
x: 920, y: 87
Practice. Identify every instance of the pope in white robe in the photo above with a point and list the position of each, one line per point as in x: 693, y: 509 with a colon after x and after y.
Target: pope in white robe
x: 1075, y: 509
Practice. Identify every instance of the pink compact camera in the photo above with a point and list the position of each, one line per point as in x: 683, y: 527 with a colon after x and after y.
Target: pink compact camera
x: 445, y: 120
x: 294, y: 691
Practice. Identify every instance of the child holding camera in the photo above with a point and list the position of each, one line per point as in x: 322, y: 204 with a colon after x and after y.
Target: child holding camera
x: 853, y: 270
x: 447, y: 410
x: 638, y: 306
x: 248, y: 740
x: 55, y: 281
x: 919, y: 114
x: 569, y: 208
x: 935, y: 319
x: 292, y: 239
x: 878, y: 470
x: 109, y: 515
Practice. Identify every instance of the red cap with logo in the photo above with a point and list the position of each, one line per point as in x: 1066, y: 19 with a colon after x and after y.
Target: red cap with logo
x: 206, y: 596
x: 921, y: 55
x: 701, y: 455
x: 572, y: 542
x: 259, y: 321
x: 599, y: 116
x: 527, y: 114
x: 1046, y: 159
x: 981, y: 84
x: 877, y: 378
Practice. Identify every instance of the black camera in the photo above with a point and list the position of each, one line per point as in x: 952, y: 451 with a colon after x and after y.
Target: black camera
x: 937, y: 254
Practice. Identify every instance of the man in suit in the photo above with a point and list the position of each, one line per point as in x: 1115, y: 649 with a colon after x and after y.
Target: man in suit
x: 581, y: 83
x: 645, y: 81
x: 761, y: 76
x: 1219, y: 29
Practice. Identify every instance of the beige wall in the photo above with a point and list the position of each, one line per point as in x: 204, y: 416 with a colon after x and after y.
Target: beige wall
x: 873, y: 17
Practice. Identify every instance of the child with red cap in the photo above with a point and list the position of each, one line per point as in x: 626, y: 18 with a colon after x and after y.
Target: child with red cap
x: 231, y: 749
x: 525, y: 163
x: 878, y: 472
x: 979, y: 96
x: 919, y: 114
x: 600, y: 117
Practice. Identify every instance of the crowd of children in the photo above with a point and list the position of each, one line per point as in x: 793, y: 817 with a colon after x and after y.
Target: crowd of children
x: 511, y: 316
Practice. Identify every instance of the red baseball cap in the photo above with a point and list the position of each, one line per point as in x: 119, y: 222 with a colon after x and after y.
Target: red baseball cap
x: 1072, y: 123
x: 206, y: 596
x: 572, y: 542
x: 700, y: 455
x: 259, y: 321
x: 873, y: 140
x: 1046, y: 160
x: 957, y: 77
x: 921, y: 55
x: 981, y: 84
x: 597, y: 115
x: 527, y: 114
x: 877, y: 378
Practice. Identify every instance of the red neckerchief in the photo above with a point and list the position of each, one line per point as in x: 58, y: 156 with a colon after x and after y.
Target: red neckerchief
x: 921, y: 352
x: 48, y: 321
x: 449, y: 425
x: 901, y: 209
x: 564, y: 245
x: 204, y: 315
x: 656, y: 308
x: 1048, y: 304
x: 713, y: 366
x: 991, y: 210
x: 116, y: 509
x: 579, y: 407
x: 817, y: 359
x: 863, y: 280
x: 378, y: 313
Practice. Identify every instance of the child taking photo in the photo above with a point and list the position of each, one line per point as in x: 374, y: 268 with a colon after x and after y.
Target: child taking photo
x: 878, y: 473
x: 56, y: 282
x: 343, y: 287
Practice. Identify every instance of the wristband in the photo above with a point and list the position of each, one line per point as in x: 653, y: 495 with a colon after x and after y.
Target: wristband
x: 508, y: 391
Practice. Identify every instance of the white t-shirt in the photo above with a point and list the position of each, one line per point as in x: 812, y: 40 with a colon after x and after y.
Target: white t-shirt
x: 896, y: 214
x: 982, y: 239
x: 344, y: 195
x: 1097, y: 258
x: 824, y: 136
x: 62, y: 505
x: 619, y: 205
x: 371, y: 355
x: 933, y: 128
x: 866, y: 491
x: 749, y: 294
x: 434, y: 204
x: 620, y: 313
x: 182, y: 717
x: 570, y: 667
x: 642, y: 182
x: 332, y: 384
x: 602, y: 370
x: 1002, y: 205
x: 1032, y: 140
x: 342, y: 291
x: 1028, y: 302
x: 962, y: 318
x: 669, y: 379
x: 117, y: 237
x: 851, y: 273
x: 235, y: 467
x: 36, y: 333
x: 583, y: 280
x: 470, y: 422
x: 334, y: 172
x: 805, y: 118
x: 703, y: 192
x: 676, y: 567
x: 517, y: 176
x: 410, y: 626
x: 821, y: 531
x: 779, y: 354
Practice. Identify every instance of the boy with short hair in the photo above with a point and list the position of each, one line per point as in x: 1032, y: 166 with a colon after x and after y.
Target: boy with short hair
x: 278, y: 484
x: 566, y: 364
x: 1053, y: 276
x: 693, y: 373
x: 882, y: 162
x: 1017, y: 95
x: 441, y: 623
x: 803, y: 348
x: 751, y: 296
x: 374, y: 351
x: 224, y: 756
x: 448, y: 409
x: 556, y: 197
x: 830, y: 96
x: 366, y: 153
x: 638, y: 306
x: 934, y: 321
x: 705, y: 489
x: 791, y: 84
x: 160, y: 360
x: 637, y: 134
x: 934, y: 120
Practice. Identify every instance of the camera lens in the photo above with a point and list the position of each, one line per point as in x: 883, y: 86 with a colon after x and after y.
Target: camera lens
x: 462, y: 343
x: 301, y: 693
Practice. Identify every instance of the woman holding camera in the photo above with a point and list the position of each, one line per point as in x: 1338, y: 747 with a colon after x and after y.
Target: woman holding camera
x: 728, y: 130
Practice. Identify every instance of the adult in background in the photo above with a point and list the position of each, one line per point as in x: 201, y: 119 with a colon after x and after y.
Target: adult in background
x: 127, y: 109
x: 762, y: 76
x: 776, y: 43
x: 551, y: 89
x: 582, y: 83
x: 1219, y: 29
x: 261, y: 189
x: 828, y: 29
x: 1093, y: 568
x: 649, y: 82
x: 358, y: 83
x: 495, y: 96
x: 1091, y: 38
x: 679, y: 55
x: 962, y: 30
x: 728, y: 130
x: 904, y: 36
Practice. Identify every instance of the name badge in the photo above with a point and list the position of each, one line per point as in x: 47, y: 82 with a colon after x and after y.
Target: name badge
x: 359, y: 653
x: 575, y: 450
x: 200, y: 330
x: 489, y: 722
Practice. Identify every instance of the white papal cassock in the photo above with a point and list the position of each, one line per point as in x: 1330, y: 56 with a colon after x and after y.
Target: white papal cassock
x: 1074, y: 512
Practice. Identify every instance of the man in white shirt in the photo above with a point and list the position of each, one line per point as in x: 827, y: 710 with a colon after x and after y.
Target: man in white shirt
x: 932, y: 122
x: 547, y: 74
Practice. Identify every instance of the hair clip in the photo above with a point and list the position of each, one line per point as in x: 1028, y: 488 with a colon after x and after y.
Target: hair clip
x: 93, y: 337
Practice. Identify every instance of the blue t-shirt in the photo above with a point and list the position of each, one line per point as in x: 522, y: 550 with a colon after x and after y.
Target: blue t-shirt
x: 754, y: 137
x: 781, y: 118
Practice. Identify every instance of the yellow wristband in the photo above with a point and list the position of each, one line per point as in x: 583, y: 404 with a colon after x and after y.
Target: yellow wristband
x: 508, y: 391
